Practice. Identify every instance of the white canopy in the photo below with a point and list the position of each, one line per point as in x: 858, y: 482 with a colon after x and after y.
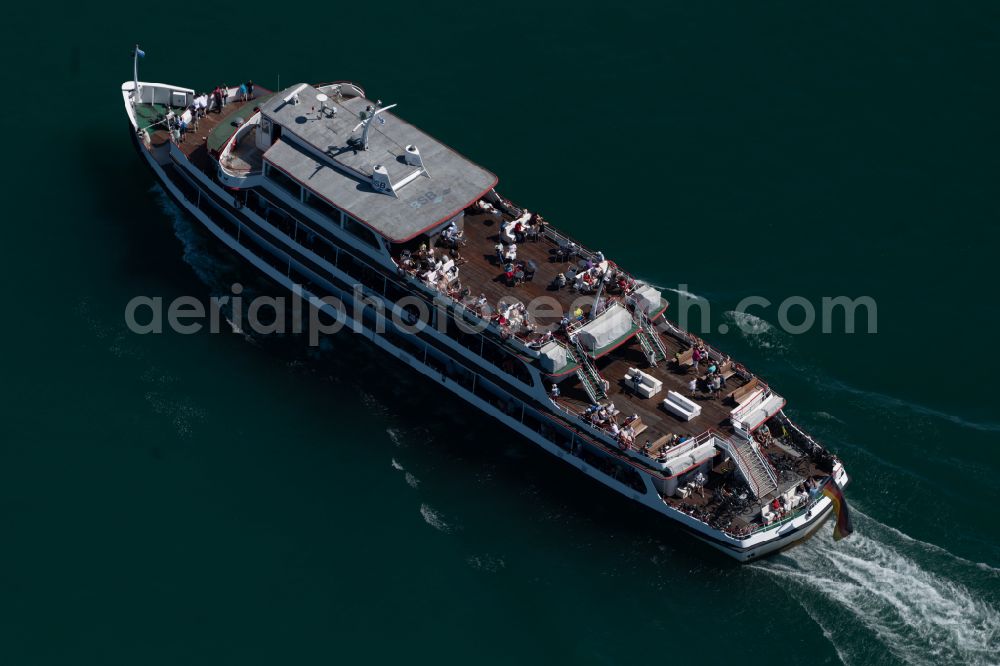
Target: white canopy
x: 552, y: 356
x: 610, y: 325
x: 647, y: 299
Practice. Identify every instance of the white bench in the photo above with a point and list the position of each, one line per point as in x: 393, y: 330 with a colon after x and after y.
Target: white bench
x: 646, y: 386
x: 677, y: 404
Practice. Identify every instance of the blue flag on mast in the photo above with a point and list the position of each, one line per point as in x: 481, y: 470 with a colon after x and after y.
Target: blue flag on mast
x: 139, y: 52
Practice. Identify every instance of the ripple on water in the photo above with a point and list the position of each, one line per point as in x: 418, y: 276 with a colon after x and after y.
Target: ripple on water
x: 918, y: 602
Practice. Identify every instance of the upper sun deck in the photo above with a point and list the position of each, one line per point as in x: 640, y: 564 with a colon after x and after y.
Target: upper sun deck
x: 519, y: 287
x: 383, y: 171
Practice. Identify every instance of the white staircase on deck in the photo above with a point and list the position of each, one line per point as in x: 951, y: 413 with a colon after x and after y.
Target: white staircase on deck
x: 593, y: 383
x: 649, y: 339
x: 752, y: 465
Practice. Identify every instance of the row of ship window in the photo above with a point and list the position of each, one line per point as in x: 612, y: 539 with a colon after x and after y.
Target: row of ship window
x: 420, y: 346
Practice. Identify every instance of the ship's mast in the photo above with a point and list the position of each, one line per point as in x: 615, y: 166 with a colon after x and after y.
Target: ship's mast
x: 367, y: 118
x: 136, y: 54
x: 597, y: 297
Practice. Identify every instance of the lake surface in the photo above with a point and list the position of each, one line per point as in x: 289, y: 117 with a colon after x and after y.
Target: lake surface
x: 209, y: 499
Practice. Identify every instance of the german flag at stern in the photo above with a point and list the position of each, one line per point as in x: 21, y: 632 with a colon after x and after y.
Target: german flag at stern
x: 843, y: 526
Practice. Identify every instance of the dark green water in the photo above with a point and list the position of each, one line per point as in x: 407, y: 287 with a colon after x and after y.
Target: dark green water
x: 205, y: 500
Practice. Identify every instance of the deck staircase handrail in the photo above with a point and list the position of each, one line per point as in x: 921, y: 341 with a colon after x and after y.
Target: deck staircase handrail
x: 647, y: 347
x: 581, y: 374
x: 587, y: 386
x: 753, y: 467
x: 650, y: 328
x: 737, y: 457
x: 648, y: 336
x: 760, y: 460
x: 588, y: 372
x: 768, y: 467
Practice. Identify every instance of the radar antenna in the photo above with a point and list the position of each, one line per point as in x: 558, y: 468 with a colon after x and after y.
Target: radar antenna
x: 367, y: 116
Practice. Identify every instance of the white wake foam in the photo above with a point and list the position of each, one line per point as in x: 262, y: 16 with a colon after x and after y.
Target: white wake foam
x: 682, y: 292
x: 411, y: 480
x: 487, y: 562
x: 756, y: 331
x: 918, y: 601
x: 395, y: 436
x: 434, y: 519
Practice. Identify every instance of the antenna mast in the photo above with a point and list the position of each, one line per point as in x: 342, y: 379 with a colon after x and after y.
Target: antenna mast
x: 367, y: 118
x: 135, y: 75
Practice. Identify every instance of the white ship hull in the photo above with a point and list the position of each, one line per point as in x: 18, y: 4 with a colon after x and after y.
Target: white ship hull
x: 754, y: 546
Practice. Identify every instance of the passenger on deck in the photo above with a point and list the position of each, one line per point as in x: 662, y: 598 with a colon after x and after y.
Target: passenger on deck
x: 498, y: 248
x: 250, y: 88
x: 243, y: 92
x: 693, y: 386
x: 200, y: 104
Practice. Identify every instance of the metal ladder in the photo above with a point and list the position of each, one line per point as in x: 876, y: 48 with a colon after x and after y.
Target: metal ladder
x: 650, y: 330
x: 587, y: 386
x: 593, y: 383
x: 647, y: 347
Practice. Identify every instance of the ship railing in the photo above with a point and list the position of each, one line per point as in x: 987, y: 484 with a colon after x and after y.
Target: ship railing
x: 763, y: 393
x: 814, y: 446
x: 799, y: 430
x: 229, y: 148
x: 557, y: 236
x: 787, y: 517
x: 713, y: 353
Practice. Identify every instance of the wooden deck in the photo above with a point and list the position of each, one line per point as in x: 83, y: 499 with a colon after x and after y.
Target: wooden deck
x: 482, y: 273
x: 714, y: 413
x: 212, y: 131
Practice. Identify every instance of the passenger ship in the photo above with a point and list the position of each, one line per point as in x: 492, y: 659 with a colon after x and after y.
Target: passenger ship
x: 324, y: 191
